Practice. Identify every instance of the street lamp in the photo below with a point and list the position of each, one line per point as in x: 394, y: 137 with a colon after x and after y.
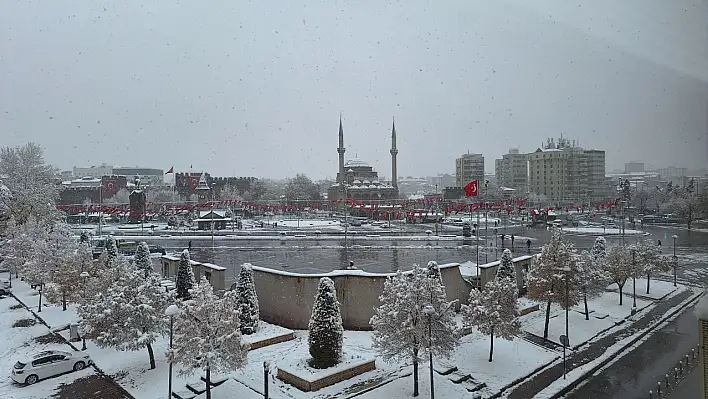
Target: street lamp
x: 564, y: 338
x: 675, y: 258
x: 428, y: 310
x: 171, y: 312
x: 84, y: 276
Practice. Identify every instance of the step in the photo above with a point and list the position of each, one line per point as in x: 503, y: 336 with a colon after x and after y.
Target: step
x: 458, y: 378
x: 215, y: 381
x: 476, y: 387
x: 197, y: 387
x: 184, y: 395
x: 444, y: 370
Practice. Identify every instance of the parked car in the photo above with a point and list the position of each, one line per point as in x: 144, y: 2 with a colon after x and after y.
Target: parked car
x: 48, y: 364
x: 5, y: 287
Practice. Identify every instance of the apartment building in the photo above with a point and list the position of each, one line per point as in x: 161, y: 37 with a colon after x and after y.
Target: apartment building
x: 469, y: 167
x: 566, y: 173
x: 512, y: 170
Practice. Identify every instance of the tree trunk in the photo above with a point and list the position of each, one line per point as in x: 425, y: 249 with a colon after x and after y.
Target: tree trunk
x: 63, y: 302
x: 40, y: 298
x: 620, y: 290
x: 208, y: 383
x: 152, y: 356
x: 415, y: 372
x: 587, y: 312
x: 491, y: 342
x: 648, y: 280
x: 548, y: 319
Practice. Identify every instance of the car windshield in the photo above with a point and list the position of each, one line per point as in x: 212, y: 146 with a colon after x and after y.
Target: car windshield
x: 19, y: 365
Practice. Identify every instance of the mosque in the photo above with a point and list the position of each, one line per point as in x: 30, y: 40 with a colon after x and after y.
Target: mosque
x: 358, y: 180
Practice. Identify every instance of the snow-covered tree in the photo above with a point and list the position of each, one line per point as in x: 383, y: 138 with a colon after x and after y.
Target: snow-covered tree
x: 129, y: 315
x: 65, y: 282
x: 493, y: 310
x: 648, y: 259
x: 208, y: 336
x: 506, y: 266
x: 684, y: 203
x: 400, y: 323
x: 247, y: 300
x: 110, y: 252
x: 37, y: 270
x: 162, y: 195
x: 142, y: 258
x: 599, y: 251
x: 433, y: 269
x: 619, y: 266
x: 84, y: 238
x: 30, y: 186
x: 325, y: 328
x: 301, y: 188
x: 593, y: 279
x: 547, y: 282
x: 185, y: 276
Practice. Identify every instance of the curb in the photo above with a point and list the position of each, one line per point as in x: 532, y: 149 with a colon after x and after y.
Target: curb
x: 582, y: 378
x: 93, y: 364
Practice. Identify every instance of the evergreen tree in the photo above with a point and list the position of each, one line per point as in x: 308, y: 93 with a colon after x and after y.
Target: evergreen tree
x: 493, y: 310
x: 326, y: 332
x: 247, y: 300
x: 433, y: 269
x: 185, y: 276
x: 506, y: 266
x: 110, y: 252
x: 401, y: 325
x: 84, y: 238
x: 142, y: 258
x: 599, y: 251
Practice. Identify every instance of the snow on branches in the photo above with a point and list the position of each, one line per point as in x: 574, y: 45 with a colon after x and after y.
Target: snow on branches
x: 142, y: 258
x: 593, y: 279
x: 619, y: 266
x: 506, y: 266
x: 549, y: 273
x: 207, y: 333
x: 110, y: 252
x: 325, y: 328
x: 129, y: 315
x: 493, y: 310
x: 599, y: 251
x: 247, y: 300
x: 401, y: 324
x: 185, y: 276
x: 648, y: 260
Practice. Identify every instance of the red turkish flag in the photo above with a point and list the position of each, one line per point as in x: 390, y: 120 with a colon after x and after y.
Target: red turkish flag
x: 471, y: 188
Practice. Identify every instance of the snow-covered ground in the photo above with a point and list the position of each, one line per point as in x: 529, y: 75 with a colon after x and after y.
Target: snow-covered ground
x: 605, y: 313
x: 18, y: 344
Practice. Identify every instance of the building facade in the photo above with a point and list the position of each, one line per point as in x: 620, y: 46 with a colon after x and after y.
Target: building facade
x: 148, y: 176
x: 358, y: 180
x: 469, y: 167
x: 512, y: 171
x: 94, y: 171
x: 634, y: 167
x: 565, y: 173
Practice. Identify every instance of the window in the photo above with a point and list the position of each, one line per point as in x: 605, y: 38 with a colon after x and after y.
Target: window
x: 41, y: 361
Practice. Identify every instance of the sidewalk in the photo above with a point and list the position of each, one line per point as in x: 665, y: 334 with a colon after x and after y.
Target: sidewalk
x: 537, y: 383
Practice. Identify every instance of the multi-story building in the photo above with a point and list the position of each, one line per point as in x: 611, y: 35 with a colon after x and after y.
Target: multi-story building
x: 469, y: 167
x: 94, y: 171
x: 512, y: 170
x: 566, y: 173
x: 634, y: 167
x: 672, y: 171
x: 148, y: 176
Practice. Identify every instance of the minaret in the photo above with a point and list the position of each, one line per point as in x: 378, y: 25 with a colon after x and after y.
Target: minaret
x: 394, y: 152
x: 341, y: 150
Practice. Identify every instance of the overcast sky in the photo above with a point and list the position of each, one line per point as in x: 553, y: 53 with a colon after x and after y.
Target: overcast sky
x: 256, y: 88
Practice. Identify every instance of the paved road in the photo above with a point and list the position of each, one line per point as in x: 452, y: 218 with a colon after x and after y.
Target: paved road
x: 632, y: 376
x: 689, y: 388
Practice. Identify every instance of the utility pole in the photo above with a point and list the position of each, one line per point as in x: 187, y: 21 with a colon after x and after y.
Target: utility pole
x: 486, y: 224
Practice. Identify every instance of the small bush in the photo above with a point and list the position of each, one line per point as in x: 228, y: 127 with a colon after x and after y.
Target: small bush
x: 25, y: 323
x: 16, y: 307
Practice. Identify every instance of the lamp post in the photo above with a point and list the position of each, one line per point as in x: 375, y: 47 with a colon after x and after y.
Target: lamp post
x: 564, y: 338
x: 84, y: 276
x: 266, y: 366
x: 486, y: 216
x: 171, y: 312
x: 428, y: 310
x: 675, y: 258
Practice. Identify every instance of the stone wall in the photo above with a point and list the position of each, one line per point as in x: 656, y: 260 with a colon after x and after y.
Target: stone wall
x: 286, y: 298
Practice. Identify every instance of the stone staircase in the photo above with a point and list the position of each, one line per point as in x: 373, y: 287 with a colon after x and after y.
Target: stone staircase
x: 196, y: 388
x: 458, y: 377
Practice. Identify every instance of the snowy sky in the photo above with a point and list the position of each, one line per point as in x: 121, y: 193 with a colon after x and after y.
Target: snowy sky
x: 256, y: 88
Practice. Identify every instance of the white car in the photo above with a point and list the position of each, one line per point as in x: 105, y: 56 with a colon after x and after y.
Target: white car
x: 5, y: 286
x: 48, y: 364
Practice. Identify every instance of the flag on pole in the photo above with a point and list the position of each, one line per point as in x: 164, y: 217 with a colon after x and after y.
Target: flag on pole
x: 471, y: 188
x: 172, y: 170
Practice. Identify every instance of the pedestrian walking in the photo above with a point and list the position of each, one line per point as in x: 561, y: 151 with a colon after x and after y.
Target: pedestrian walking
x: 189, y: 246
x: 528, y: 244
x: 512, y: 242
